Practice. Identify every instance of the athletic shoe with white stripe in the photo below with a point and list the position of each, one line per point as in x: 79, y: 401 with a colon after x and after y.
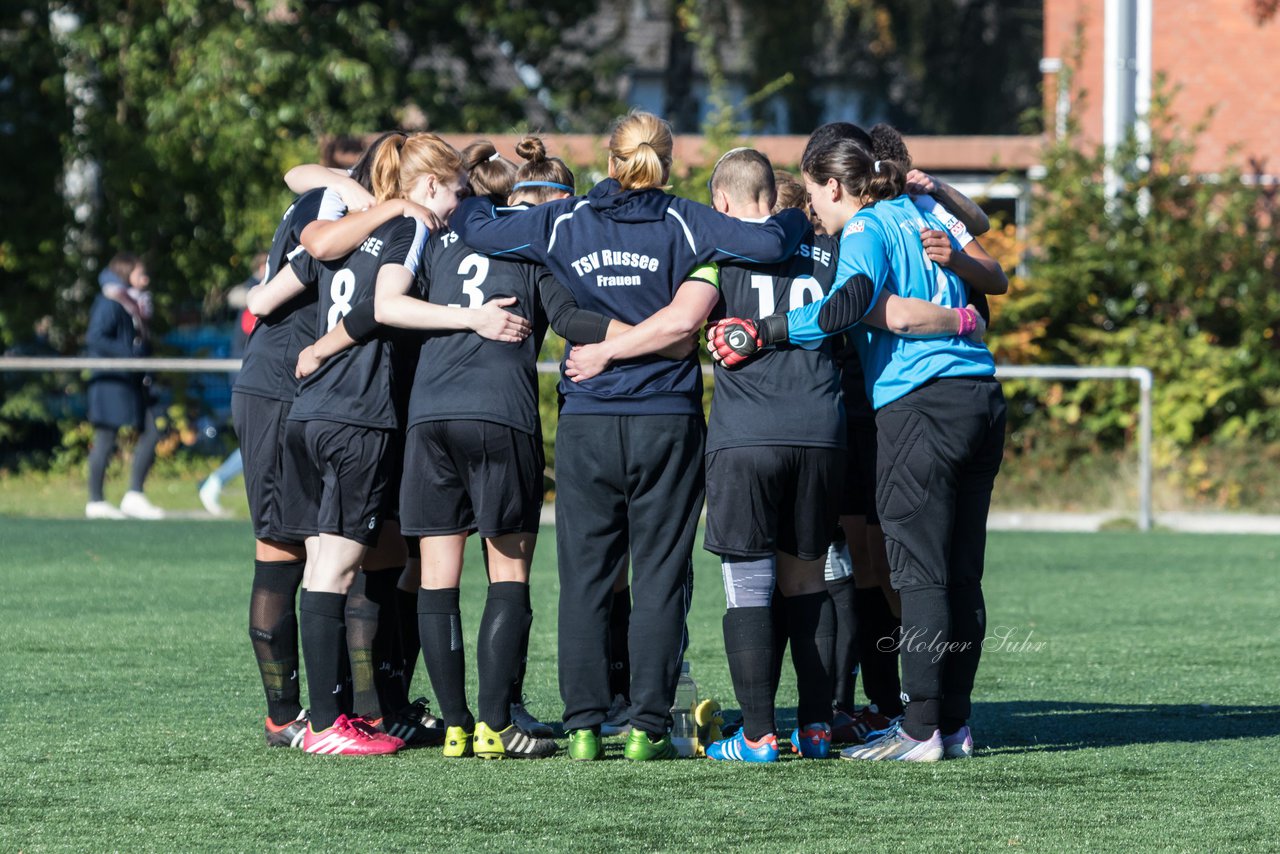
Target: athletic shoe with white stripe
x: 510, y: 743
x: 289, y: 735
x: 345, y: 739
x: 896, y: 745
x: 958, y: 745
x: 410, y: 726
x: 521, y: 717
x: 739, y: 749
x: 373, y: 729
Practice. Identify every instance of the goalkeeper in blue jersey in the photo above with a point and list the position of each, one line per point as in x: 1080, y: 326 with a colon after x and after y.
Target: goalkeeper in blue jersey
x: 940, y: 415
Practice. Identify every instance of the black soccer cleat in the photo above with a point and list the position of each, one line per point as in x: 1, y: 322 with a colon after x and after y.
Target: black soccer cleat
x: 289, y: 735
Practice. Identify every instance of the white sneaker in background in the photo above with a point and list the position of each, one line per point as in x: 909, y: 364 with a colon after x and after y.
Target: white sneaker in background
x: 102, y: 510
x: 136, y: 506
x: 210, y: 492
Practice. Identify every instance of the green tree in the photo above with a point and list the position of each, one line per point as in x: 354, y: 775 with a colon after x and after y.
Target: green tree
x: 1166, y: 270
x: 33, y: 216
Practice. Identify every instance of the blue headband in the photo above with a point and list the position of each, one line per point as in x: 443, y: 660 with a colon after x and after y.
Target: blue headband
x: 551, y: 184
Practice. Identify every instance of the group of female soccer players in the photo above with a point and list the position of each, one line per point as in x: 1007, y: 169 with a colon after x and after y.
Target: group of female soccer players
x: 389, y: 397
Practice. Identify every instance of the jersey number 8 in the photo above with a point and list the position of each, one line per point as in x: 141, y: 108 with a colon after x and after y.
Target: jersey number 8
x: 341, y: 290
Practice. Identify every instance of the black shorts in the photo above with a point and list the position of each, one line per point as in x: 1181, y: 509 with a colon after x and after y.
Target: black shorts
x: 260, y: 426
x: 463, y: 476
x: 768, y: 498
x: 395, y: 472
x: 858, y: 495
x: 335, y: 478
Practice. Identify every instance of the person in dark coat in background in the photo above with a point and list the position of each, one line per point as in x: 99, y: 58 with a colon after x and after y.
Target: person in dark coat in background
x: 118, y: 329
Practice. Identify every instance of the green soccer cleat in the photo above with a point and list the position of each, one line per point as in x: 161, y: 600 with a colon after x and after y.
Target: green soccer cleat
x: 457, y: 743
x: 641, y: 749
x: 510, y: 743
x: 585, y: 746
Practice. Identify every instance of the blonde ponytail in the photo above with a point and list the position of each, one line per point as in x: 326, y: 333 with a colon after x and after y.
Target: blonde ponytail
x: 385, y: 175
x: 640, y: 151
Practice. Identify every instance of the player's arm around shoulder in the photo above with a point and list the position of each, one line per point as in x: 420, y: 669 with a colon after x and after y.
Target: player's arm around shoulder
x: 669, y: 331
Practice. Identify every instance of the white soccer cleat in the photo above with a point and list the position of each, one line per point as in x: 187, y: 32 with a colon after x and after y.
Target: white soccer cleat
x: 896, y: 746
x: 136, y: 506
x: 210, y: 492
x: 958, y: 745
x: 102, y: 510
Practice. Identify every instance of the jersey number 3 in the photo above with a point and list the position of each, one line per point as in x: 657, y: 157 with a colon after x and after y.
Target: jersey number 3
x: 476, y: 269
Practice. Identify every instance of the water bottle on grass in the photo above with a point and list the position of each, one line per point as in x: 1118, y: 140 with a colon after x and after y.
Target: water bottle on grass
x: 683, y: 727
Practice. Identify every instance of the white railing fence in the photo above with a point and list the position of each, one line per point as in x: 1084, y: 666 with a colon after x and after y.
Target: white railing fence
x: 1142, y: 376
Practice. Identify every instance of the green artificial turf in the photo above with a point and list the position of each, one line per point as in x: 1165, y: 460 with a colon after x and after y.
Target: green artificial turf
x: 1149, y: 718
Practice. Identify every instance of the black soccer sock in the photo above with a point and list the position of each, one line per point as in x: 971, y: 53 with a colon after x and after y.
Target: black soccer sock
x: 811, y: 627
x: 778, y: 614
x: 273, y: 628
x: 372, y: 643
x: 846, y: 665
x: 619, y: 651
x: 410, y: 644
x: 503, y: 627
x: 517, y: 684
x: 926, y: 629
x: 324, y: 649
x: 877, y: 636
x: 748, y: 641
x: 440, y: 627
x: 968, y: 629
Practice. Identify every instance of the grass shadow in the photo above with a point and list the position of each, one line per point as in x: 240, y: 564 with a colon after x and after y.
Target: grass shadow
x: 1043, y: 725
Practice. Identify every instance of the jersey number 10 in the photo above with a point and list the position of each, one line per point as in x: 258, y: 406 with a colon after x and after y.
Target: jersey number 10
x: 804, y: 290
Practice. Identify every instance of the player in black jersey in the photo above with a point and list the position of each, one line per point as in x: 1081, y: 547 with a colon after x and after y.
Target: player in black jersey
x: 474, y: 457
x: 630, y: 439
x: 261, y: 399
x: 342, y: 425
x: 784, y: 467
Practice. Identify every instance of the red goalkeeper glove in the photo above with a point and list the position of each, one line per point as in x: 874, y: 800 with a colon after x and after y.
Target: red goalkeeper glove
x: 734, y: 340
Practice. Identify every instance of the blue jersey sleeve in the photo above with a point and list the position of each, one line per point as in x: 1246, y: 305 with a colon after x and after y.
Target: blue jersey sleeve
x: 712, y: 236
x: 506, y: 232
x: 861, y: 275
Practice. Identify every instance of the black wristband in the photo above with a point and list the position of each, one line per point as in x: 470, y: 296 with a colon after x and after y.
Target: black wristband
x: 772, y: 329
x: 359, y: 322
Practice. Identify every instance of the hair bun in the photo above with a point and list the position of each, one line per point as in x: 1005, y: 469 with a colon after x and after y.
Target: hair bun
x: 532, y: 149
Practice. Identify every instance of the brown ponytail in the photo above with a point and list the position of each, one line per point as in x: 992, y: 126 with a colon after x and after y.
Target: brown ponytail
x: 857, y: 170
x: 488, y: 173
x: 640, y: 151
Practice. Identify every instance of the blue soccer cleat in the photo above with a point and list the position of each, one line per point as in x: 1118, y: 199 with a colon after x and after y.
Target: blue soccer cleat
x: 739, y: 749
x: 812, y: 741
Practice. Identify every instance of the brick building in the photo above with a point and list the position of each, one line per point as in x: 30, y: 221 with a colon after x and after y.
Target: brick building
x: 1221, y: 54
